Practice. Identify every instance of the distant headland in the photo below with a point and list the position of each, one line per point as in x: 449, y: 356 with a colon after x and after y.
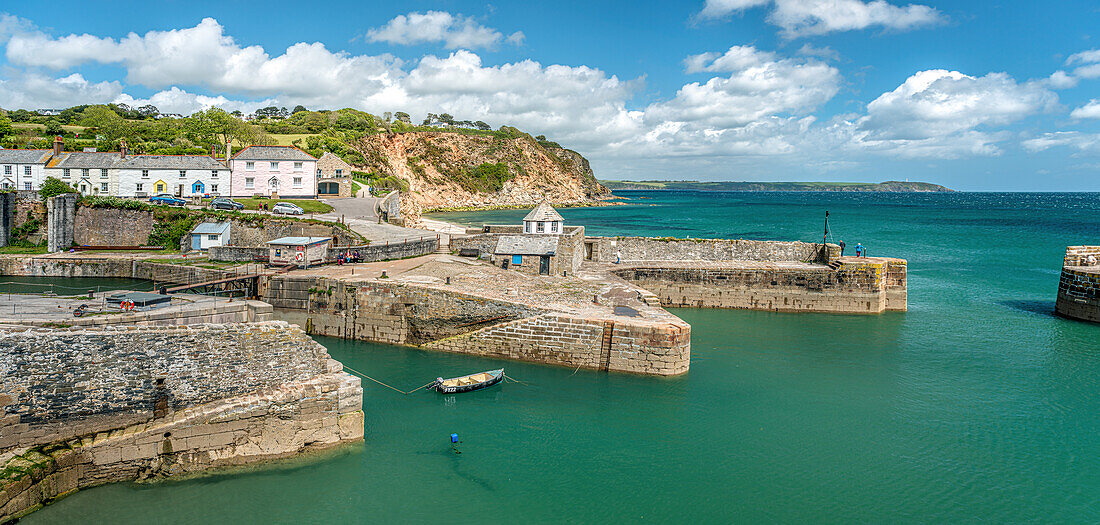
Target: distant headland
x: 892, y: 185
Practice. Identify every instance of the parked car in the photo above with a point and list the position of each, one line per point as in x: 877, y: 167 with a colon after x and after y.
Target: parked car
x: 287, y: 208
x: 225, y: 203
x: 167, y: 198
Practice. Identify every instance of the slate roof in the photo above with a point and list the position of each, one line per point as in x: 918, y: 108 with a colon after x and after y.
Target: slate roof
x: 25, y: 156
x: 543, y: 212
x: 526, y: 245
x: 86, y: 159
x: 211, y: 228
x: 299, y: 240
x: 272, y: 153
x: 179, y: 162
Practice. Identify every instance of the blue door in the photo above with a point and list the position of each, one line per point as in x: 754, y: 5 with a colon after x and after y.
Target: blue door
x: 197, y: 188
x: 196, y: 242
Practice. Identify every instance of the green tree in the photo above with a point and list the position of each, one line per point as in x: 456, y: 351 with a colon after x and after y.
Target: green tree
x: 104, y: 120
x: 403, y: 117
x: 5, y: 126
x: 53, y: 128
x: 53, y: 186
x: 298, y: 109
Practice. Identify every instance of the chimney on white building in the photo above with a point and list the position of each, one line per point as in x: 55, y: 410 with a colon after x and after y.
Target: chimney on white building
x: 57, y: 142
x: 122, y: 149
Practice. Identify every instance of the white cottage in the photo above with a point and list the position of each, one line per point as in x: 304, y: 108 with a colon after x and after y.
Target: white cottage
x: 22, y: 169
x: 545, y: 220
x: 210, y: 234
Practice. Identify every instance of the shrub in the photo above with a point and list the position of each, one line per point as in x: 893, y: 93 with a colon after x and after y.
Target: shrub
x: 54, y: 186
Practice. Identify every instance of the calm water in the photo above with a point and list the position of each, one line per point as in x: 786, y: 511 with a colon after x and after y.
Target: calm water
x: 975, y: 405
x: 68, y: 285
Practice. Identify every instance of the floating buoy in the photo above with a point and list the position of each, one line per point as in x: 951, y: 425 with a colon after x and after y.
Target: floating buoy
x: 454, y: 438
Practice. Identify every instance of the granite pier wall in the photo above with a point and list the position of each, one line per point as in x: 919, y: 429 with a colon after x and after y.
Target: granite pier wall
x: 76, y: 266
x: 429, y: 317
x: 129, y: 403
x: 873, y: 286
x: 604, y: 249
x: 1079, y: 285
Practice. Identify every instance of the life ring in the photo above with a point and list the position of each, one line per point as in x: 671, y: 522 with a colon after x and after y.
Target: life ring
x: 127, y: 305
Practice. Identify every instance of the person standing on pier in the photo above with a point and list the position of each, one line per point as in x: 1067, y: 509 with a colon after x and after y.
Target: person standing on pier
x: 860, y: 250
x: 842, y: 248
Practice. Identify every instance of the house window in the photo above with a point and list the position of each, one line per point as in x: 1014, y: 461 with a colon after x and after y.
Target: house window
x: 103, y: 174
x: 318, y: 174
x: 529, y: 227
x: 27, y: 171
x: 249, y: 165
x: 84, y: 172
x: 213, y: 188
x: 65, y: 173
x: 27, y: 186
x: 214, y: 174
x: 339, y: 173
x: 103, y: 188
x: 137, y: 187
x: 211, y: 237
x: 183, y: 173
x: 7, y: 170
x: 297, y: 166
x: 248, y: 182
x: 554, y: 226
x: 145, y: 174
x: 274, y: 166
x: 541, y: 227
x: 297, y: 182
x: 517, y: 260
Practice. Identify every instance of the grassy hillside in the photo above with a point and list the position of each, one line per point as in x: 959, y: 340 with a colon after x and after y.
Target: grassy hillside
x: 888, y: 186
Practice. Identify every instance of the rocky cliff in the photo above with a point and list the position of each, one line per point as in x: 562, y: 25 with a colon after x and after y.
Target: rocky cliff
x: 508, y: 168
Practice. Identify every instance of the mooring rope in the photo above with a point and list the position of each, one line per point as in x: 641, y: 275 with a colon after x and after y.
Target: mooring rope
x: 356, y: 372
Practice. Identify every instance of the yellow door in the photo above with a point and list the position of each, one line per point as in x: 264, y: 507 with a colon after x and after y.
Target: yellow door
x: 160, y: 186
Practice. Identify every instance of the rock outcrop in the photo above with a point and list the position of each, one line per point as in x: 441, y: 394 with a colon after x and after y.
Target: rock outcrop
x: 447, y: 170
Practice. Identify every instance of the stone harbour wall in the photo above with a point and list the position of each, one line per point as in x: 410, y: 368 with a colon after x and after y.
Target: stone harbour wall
x: 77, y: 266
x: 424, y: 316
x: 603, y: 249
x: 870, y: 287
x: 82, y: 407
x: 1079, y: 293
x: 577, y: 342
x: 1078, y: 255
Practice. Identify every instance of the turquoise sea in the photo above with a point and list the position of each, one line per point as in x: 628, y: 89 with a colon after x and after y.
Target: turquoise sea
x: 976, y: 405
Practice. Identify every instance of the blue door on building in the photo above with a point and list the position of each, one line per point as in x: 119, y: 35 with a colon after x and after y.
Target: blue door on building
x: 197, y: 188
x: 196, y: 241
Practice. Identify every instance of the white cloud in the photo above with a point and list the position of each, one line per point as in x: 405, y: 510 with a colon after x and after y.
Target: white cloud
x: 517, y: 38
x: 1090, y: 63
x: 816, y: 17
x: 35, y: 91
x: 454, y: 31
x: 1061, y: 80
x: 1090, y: 110
x: 824, y: 52
x: 938, y: 103
x: 176, y: 100
x: 1084, y: 142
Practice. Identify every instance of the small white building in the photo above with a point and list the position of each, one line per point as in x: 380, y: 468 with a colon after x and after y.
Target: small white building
x: 545, y: 220
x: 23, y: 169
x: 210, y: 234
x: 299, y: 251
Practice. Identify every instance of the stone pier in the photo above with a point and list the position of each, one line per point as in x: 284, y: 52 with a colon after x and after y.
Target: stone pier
x: 60, y: 218
x: 1079, y: 285
x: 83, y: 407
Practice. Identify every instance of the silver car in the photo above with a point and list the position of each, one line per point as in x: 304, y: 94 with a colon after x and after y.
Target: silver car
x: 286, y: 208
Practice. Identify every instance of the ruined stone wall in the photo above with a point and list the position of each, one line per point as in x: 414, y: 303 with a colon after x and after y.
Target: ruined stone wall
x: 669, y: 249
x: 112, y: 227
x: 60, y: 217
x: 871, y: 287
x: 1079, y: 293
x: 96, y: 406
x: 30, y: 208
x: 7, y: 216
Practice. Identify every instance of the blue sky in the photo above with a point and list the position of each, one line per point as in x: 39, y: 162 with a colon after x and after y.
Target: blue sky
x: 973, y: 95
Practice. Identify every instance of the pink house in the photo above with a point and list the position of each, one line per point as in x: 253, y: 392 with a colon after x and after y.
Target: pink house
x: 280, y: 171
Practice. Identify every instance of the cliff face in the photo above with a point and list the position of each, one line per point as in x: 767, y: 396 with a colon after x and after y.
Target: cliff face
x: 451, y: 170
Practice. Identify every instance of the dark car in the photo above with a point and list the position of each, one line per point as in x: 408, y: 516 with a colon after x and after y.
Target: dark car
x: 225, y: 203
x: 166, y: 198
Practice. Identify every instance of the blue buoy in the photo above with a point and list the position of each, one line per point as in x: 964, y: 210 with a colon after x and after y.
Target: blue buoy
x: 454, y: 438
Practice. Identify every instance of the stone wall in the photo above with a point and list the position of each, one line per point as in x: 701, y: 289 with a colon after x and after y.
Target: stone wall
x: 133, y: 403
x: 578, y: 342
x: 242, y: 234
x: 75, y: 266
x: 218, y: 312
x: 30, y: 207
x: 873, y: 286
x: 236, y: 253
x: 60, y: 218
x: 408, y: 314
x: 386, y: 251
x: 112, y: 227
x: 567, y: 259
x: 603, y: 249
x: 1079, y: 285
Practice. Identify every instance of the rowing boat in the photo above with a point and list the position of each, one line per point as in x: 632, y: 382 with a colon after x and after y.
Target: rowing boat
x: 468, y: 383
